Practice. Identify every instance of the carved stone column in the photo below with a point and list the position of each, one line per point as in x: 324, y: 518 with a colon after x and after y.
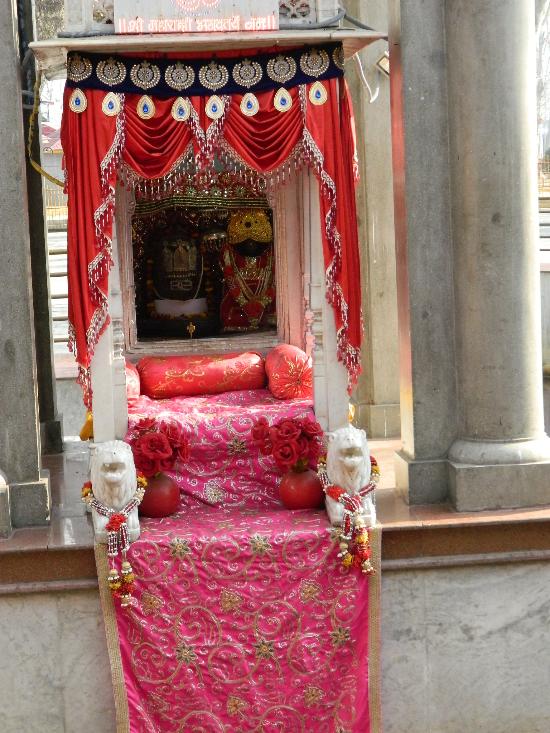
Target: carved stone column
x: 463, y: 119
x: 502, y: 453
x: 423, y: 247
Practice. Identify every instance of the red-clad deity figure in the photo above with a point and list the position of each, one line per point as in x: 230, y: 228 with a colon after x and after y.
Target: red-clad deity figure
x: 248, y: 302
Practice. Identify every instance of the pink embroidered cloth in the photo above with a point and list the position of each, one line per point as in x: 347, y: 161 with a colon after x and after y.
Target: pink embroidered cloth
x: 224, y: 467
x: 245, y: 622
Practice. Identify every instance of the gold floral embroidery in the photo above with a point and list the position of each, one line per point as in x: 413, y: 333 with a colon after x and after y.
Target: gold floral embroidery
x: 235, y: 705
x: 213, y: 493
x: 185, y: 654
x: 237, y: 445
x: 230, y: 601
x: 259, y: 545
x: 312, y: 695
x: 150, y: 604
x: 179, y: 548
x: 340, y: 636
x: 309, y: 590
x: 264, y: 649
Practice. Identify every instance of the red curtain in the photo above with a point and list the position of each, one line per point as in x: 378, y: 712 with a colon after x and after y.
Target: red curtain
x: 98, y: 146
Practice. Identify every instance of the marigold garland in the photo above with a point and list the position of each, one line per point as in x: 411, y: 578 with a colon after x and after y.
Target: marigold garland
x: 121, y: 583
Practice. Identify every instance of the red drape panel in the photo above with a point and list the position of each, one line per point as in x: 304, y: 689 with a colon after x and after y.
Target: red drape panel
x: 90, y: 156
x: 150, y: 148
x: 94, y: 144
x: 266, y: 140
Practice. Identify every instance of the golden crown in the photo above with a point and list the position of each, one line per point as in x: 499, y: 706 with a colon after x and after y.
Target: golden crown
x: 254, y: 225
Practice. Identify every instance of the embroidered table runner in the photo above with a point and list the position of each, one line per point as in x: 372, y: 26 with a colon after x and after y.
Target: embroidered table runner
x: 244, y: 622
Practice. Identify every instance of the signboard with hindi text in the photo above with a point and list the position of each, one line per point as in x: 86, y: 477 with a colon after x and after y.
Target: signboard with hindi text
x: 195, y: 16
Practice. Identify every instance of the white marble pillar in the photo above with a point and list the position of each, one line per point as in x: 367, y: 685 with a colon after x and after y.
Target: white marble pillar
x: 501, y: 455
x: 377, y: 393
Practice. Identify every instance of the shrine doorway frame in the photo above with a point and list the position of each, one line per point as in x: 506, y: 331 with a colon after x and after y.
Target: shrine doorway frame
x: 304, y: 317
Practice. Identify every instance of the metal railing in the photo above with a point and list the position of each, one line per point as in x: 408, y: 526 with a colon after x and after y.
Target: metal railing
x: 55, y: 203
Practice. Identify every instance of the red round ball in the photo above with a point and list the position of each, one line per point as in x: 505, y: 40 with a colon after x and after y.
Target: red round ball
x: 301, y: 490
x: 161, y: 498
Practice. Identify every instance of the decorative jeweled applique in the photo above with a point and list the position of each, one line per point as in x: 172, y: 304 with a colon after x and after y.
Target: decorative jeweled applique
x: 179, y: 76
x: 145, y: 108
x: 247, y: 73
x: 318, y: 93
x: 111, y: 72
x: 145, y: 75
x: 314, y: 62
x: 281, y: 69
x: 213, y: 76
x: 78, y: 101
x: 111, y: 104
x: 214, y: 107
x: 250, y: 105
x: 181, y: 109
x: 79, y: 68
x: 282, y: 100
x: 338, y: 57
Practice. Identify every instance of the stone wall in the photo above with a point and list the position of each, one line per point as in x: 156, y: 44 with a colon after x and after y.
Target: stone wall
x: 464, y: 649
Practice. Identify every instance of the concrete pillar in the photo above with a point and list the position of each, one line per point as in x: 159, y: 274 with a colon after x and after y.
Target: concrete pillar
x: 19, y: 426
x: 501, y: 455
x: 51, y: 430
x: 377, y: 394
x: 423, y: 247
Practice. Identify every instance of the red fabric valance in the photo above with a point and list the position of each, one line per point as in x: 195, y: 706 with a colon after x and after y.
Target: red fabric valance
x: 153, y: 153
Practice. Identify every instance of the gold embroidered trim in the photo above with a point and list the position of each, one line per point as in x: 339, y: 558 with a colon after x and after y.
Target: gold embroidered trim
x: 375, y: 585
x: 113, y: 643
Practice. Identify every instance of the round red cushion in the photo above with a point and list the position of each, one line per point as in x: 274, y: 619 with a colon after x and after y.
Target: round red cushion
x: 290, y: 372
x: 133, y: 387
x: 186, y: 376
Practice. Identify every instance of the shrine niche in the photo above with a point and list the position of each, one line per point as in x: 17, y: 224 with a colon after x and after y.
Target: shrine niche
x: 237, y: 313
x: 203, y: 270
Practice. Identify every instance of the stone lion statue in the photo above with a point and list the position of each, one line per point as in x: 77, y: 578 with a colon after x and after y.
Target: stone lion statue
x: 348, y: 466
x: 114, y: 480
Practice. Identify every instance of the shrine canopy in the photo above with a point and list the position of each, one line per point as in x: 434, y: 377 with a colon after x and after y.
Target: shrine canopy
x: 157, y: 120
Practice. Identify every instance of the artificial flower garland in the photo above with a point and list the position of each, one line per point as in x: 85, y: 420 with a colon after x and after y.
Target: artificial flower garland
x: 122, y: 585
x: 355, y: 548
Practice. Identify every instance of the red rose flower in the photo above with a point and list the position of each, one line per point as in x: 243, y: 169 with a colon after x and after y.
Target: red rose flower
x: 145, y: 424
x: 260, y: 431
x: 266, y: 448
x: 273, y: 435
x: 173, y: 432
x: 314, y: 449
x: 288, y: 429
x: 167, y: 464
x: 154, y: 445
x: 115, y: 522
x: 285, y: 455
x: 312, y: 429
x: 302, y: 446
x: 181, y: 451
x: 147, y: 466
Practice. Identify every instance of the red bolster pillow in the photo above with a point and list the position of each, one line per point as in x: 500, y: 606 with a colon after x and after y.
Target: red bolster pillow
x: 133, y: 387
x: 290, y: 372
x: 185, y: 376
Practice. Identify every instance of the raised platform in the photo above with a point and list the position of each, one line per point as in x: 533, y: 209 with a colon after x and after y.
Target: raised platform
x: 60, y: 557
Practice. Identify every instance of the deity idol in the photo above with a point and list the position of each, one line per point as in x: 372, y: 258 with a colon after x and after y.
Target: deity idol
x: 248, y: 302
